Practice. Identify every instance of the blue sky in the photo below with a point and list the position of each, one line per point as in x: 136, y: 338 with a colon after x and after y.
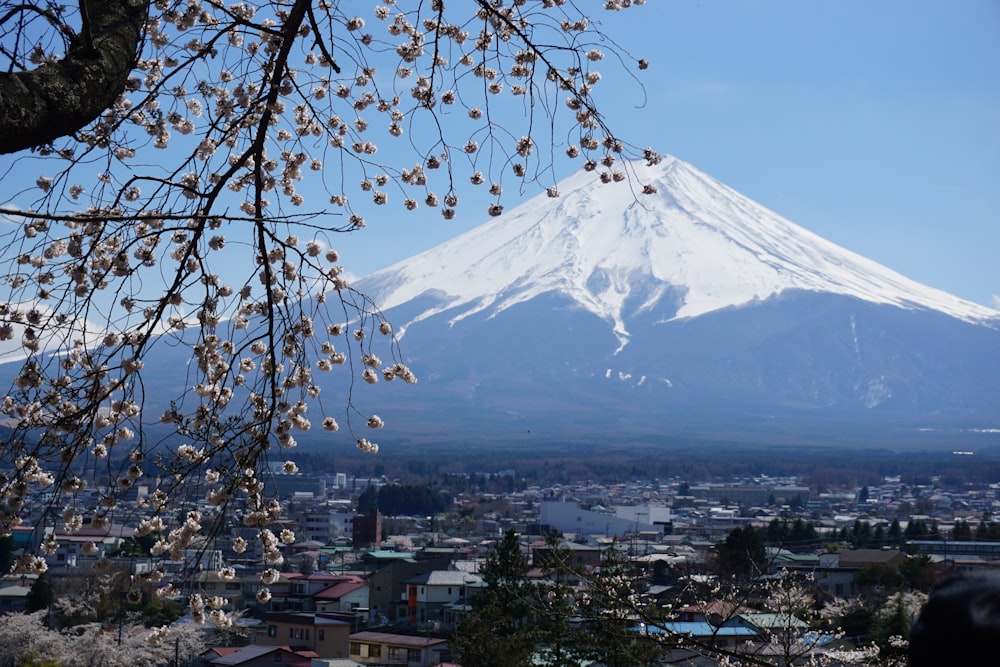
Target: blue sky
x: 873, y: 124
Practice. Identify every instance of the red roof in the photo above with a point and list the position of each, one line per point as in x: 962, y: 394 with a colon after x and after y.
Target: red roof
x: 340, y: 589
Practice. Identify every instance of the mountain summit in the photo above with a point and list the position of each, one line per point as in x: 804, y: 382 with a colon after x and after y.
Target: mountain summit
x: 605, y: 308
x: 617, y: 253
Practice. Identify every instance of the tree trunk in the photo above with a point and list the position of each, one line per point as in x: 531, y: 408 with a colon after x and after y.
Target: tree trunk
x: 57, y: 99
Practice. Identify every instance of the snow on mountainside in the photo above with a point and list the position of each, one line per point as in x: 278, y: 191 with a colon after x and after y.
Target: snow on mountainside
x: 604, y: 246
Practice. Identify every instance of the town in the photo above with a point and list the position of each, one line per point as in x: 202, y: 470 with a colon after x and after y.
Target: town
x: 385, y: 571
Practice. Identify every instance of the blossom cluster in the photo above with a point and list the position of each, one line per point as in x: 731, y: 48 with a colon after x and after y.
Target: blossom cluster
x: 206, y: 228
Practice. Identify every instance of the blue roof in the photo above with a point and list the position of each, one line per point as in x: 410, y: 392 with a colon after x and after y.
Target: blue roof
x: 695, y: 629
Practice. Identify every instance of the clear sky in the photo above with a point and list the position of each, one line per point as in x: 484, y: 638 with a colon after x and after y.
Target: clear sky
x: 873, y: 124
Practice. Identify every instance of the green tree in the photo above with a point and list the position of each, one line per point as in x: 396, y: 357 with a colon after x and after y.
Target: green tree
x: 918, y: 573
x: 742, y: 553
x: 41, y: 594
x: 6, y: 553
x: 610, y: 614
x: 497, y: 632
x: 962, y: 532
x: 895, y: 533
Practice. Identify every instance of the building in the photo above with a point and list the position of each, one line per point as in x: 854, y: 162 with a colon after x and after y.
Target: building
x: 385, y: 648
x: 836, y: 571
x: 367, y: 533
x: 327, y: 636
x: 570, y: 518
x: 350, y: 593
x: 566, y: 554
x: 256, y: 656
x: 429, y: 593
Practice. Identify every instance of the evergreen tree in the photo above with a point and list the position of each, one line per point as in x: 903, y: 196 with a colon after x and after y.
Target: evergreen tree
x: 497, y: 632
x: 41, y: 595
x: 609, y: 615
x: 742, y: 553
x: 962, y: 532
x: 895, y: 534
x: 6, y: 553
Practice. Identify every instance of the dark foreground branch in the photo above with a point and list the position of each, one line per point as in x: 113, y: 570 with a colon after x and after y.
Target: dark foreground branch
x: 59, y: 98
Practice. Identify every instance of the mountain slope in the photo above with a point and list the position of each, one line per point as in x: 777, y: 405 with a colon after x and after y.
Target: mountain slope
x: 602, y: 309
x: 695, y: 243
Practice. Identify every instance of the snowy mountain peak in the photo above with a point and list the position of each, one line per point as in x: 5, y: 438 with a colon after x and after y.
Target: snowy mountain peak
x: 617, y: 252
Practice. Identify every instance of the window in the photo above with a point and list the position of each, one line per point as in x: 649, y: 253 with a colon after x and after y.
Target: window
x: 320, y: 635
x: 355, y: 648
x: 272, y: 631
x: 449, y: 590
x: 395, y: 653
x: 413, y: 655
x: 374, y: 650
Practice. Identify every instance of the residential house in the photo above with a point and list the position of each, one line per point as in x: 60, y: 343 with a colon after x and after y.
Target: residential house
x: 577, y: 556
x: 89, y: 543
x: 724, y: 637
x: 387, y: 585
x: 715, y: 612
x: 258, y: 656
x: 836, y: 571
x: 13, y: 598
x: 385, y: 648
x: 325, y: 635
x: 305, y: 586
x: 347, y: 594
x: 428, y: 593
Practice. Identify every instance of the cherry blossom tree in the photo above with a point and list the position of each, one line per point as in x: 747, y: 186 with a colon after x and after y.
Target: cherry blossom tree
x: 177, y: 172
x: 25, y: 639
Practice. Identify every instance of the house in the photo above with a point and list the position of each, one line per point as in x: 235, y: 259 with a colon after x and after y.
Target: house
x: 212, y: 583
x: 304, y: 588
x: 325, y: 635
x: 347, y: 594
x: 566, y: 554
x: 13, y: 598
x: 765, y: 625
x: 427, y: 594
x: 701, y: 632
x: 837, y: 570
x: 386, y: 648
x: 88, y: 542
x: 258, y: 656
x: 387, y: 586
x: 715, y: 612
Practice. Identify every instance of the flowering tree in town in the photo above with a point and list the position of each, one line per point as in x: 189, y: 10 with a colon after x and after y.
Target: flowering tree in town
x: 175, y: 173
x: 25, y: 639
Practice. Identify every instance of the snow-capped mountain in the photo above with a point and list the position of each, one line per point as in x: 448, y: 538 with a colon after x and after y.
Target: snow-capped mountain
x: 607, y: 306
x: 611, y: 251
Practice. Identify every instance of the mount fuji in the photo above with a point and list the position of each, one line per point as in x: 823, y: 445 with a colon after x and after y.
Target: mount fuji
x: 605, y: 313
